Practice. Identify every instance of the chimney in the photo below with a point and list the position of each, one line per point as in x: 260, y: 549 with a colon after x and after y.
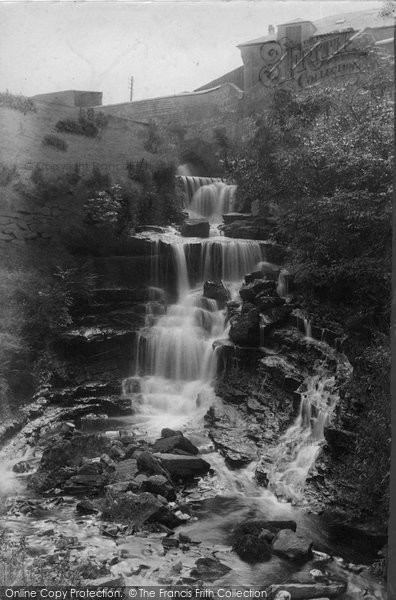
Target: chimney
x: 271, y: 29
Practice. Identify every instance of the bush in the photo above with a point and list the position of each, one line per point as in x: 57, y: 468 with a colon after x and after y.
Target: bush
x: 17, y: 102
x: 88, y: 123
x: 55, y: 141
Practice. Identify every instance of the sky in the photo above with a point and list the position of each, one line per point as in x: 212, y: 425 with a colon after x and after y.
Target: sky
x: 168, y: 47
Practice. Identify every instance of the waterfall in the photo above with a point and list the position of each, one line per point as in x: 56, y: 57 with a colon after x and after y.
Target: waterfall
x: 213, y: 200
x: 179, y: 256
x: 307, y: 328
x: 298, y: 447
x: 191, y: 184
x: 230, y: 259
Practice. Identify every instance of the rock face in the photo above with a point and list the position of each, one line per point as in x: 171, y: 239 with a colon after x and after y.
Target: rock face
x: 244, y: 329
x: 195, y: 228
x: 182, y: 466
x: 216, y: 290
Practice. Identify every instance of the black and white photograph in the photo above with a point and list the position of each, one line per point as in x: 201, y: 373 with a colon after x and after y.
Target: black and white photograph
x: 196, y: 300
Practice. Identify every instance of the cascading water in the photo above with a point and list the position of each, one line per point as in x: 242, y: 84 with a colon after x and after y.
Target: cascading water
x: 209, y: 198
x: 212, y: 201
x: 298, y: 447
x: 176, y: 362
x: 191, y: 184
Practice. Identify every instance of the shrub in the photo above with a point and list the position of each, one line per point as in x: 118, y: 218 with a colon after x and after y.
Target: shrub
x: 55, y: 141
x: 88, y: 123
x: 17, y: 102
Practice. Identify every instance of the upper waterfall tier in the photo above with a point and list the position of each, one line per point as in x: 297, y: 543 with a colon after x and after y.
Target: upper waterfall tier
x: 208, y: 197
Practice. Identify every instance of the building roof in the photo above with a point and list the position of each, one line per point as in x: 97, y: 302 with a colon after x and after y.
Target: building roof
x: 266, y: 38
x: 356, y: 20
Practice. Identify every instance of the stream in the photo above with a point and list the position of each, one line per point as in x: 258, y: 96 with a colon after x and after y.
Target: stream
x: 175, y: 368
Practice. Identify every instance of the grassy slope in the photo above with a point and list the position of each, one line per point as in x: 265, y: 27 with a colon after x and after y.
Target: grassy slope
x: 21, y: 139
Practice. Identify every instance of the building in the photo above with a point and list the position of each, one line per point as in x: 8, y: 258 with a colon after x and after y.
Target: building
x: 75, y: 98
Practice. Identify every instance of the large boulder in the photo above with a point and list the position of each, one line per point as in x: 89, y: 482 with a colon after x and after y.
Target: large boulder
x: 183, y: 466
x: 292, y: 546
x: 147, y: 463
x: 175, y: 444
x: 216, y: 290
x: 253, y: 538
x: 195, y: 228
x: 252, y: 548
x: 136, y: 509
x: 237, y: 453
x: 209, y: 569
x: 245, y: 327
x: 158, y: 484
x: 235, y: 216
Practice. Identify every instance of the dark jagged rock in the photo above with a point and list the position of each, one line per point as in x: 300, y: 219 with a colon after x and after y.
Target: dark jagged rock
x: 252, y: 548
x: 282, y: 371
x: 158, y: 484
x: 340, y: 440
x: 292, y: 546
x: 171, y: 444
x: 183, y: 467
x: 136, y: 509
x: 167, y: 432
x: 237, y: 452
x: 148, y: 463
x: 195, y: 228
x: 209, y: 569
x: 251, y: 277
x: 169, y: 542
x: 250, y: 291
x: 126, y: 469
x: 256, y: 527
x: 86, y: 507
x: 216, y: 290
x: 90, y: 479
x: 244, y: 329
x: 235, y: 216
x: 72, y: 452
x: 22, y: 467
x: 247, y: 230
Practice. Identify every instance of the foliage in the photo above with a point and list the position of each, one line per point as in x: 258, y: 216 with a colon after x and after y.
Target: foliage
x: 324, y: 157
x: 18, y: 567
x: 370, y: 460
x: 55, y: 141
x: 17, y: 102
x: 89, y: 123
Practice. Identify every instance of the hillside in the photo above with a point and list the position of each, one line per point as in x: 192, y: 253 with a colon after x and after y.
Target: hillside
x: 21, y: 138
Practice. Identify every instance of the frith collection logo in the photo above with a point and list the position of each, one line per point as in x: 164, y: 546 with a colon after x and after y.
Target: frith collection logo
x: 307, y: 63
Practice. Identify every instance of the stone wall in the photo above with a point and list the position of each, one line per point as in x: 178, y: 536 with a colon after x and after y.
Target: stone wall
x: 189, y: 108
x: 20, y: 223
